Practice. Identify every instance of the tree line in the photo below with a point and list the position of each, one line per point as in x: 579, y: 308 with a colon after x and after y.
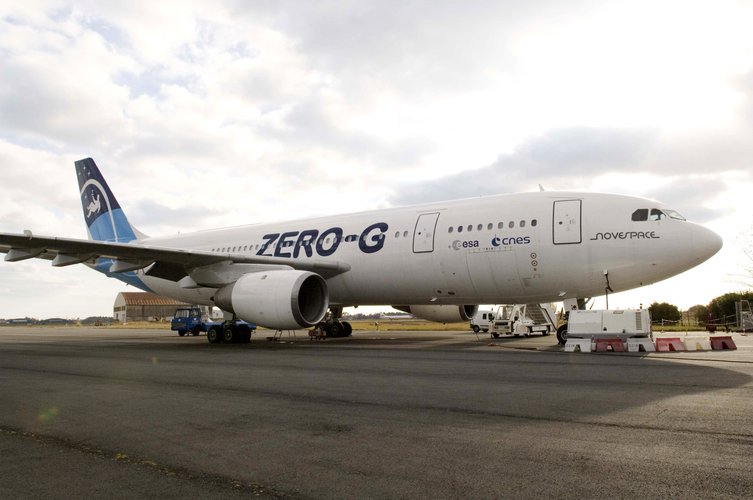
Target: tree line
x: 719, y: 311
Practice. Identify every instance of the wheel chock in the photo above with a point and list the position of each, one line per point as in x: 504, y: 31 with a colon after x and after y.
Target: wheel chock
x: 575, y: 345
x: 669, y: 344
x: 640, y: 345
x: 603, y: 345
x: 697, y: 344
x: 721, y: 343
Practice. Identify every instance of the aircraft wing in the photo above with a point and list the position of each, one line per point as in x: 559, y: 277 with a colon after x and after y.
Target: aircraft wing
x: 163, y: 262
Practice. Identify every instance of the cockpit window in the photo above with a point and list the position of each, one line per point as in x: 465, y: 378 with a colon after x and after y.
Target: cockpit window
x: 654, y: 214
x: 657, y: 214
x: 674, y: 214
x: 640, y: 215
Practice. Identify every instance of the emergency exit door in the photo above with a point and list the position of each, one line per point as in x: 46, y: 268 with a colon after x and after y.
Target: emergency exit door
x: 566, y: 222
x: 423, y: 235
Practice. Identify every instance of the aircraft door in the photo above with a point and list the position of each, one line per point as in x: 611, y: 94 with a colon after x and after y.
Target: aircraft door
x: 566, y: 222
x: 423, y: 235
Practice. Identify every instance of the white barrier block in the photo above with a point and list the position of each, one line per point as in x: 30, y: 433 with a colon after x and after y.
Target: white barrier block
x: 638, y: 344
x: 583, y: 345
x: 697, y: 344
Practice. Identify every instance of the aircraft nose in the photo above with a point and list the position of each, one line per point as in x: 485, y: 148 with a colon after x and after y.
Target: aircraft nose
x: 706, y: 243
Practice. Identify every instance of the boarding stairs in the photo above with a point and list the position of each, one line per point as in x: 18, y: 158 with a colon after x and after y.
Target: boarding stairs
x: 539, y: 315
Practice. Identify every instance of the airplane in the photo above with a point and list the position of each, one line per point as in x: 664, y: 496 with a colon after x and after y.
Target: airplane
x: 437, y: 261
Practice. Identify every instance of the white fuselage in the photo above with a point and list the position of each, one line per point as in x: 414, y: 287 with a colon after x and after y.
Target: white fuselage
x: 517, y: 248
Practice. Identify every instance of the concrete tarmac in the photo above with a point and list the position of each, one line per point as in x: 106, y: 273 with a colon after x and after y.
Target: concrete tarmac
x: 102, y: 413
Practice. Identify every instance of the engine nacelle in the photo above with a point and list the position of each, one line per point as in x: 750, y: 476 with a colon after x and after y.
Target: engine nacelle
x: 279, y: 299
x: 441, y: 313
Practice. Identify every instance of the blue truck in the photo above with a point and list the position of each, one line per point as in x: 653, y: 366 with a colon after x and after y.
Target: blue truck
x: 189, y: 320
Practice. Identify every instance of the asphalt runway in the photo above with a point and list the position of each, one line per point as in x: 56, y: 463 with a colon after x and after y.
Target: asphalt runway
x: 99, y: 413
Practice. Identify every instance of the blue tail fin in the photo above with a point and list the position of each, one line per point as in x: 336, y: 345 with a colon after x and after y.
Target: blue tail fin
x: 105, y: 219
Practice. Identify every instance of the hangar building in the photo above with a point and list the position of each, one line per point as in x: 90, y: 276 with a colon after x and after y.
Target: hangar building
x: 143, y: 306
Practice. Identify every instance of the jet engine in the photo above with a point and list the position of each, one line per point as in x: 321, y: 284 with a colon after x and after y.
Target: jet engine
x: 279, y: 299
x: 441, y: 313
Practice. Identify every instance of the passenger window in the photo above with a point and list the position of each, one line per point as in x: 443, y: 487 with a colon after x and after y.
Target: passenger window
x: 500, y: 225
x: 460, y: 229
x: 480, y: 227
x: 534, y: 223
x: 470, y: 228
x: 450, y: 229
x: 511, y: 225
x: 397, y: 234
x: 405, y: 234
x: 522, y: 223
x: 490, y: 226
x: 640, y: 215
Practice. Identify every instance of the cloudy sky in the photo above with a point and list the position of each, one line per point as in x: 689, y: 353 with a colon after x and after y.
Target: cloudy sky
x: 204, y: 114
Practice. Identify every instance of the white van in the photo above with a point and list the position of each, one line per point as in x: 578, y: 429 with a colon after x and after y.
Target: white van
x: 482, y: 320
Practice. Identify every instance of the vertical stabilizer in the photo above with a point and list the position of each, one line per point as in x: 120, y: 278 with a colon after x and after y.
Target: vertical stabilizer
x: 105, y: 219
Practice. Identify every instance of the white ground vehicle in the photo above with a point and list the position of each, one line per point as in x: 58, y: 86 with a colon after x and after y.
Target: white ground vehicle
x: 606, y: 323
x: 482, y: 320
x: 522, y: 319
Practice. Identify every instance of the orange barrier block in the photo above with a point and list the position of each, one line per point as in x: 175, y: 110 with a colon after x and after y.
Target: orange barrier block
x: 603, y: 345
x: 672, y: 344
x: 721, y: 343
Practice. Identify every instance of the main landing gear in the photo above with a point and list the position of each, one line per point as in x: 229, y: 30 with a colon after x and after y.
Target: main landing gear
x: 332, y: 325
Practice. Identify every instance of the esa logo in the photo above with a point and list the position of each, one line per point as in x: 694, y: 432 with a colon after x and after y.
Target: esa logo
x: 457, y: 244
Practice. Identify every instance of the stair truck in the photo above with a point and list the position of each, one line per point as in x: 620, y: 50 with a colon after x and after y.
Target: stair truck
x: 522, y: 319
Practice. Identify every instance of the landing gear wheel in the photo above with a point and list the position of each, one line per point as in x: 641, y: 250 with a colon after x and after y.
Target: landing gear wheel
x: 347, y: 329
x: 228, y: 335
x: 214, y: 335
x: 335, y: 329
x: 562, y: 334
